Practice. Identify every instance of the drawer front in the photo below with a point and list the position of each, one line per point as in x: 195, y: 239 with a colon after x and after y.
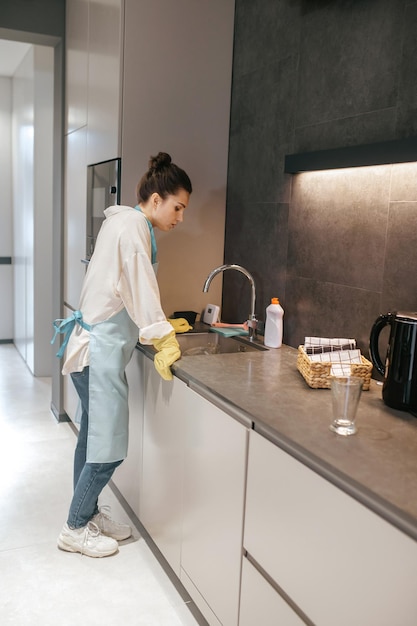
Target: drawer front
x: 337, y: 560
x: 260, y: 602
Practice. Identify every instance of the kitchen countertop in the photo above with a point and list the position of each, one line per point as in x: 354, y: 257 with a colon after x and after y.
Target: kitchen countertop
x: 377, y: 466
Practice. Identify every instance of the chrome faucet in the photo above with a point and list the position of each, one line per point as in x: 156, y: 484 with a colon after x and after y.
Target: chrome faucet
x: 252, y: 322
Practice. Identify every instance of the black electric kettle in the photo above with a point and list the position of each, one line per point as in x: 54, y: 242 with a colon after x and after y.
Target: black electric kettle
x: 399, y: 390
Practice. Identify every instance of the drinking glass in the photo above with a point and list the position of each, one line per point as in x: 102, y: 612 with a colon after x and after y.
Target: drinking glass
x: 346, y: 391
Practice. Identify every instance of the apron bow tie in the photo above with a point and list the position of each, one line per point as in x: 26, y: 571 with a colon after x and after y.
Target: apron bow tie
x: 65, y: 327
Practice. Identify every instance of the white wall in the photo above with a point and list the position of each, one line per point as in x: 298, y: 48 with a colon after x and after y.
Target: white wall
x: 176, y: 99
x: 6, y: 248
x: 32, y: 126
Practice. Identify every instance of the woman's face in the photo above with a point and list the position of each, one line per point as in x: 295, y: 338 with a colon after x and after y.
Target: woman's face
x: 166, y: 214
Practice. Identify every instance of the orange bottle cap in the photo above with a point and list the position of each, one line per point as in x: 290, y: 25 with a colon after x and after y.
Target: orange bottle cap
x: 274, y: 301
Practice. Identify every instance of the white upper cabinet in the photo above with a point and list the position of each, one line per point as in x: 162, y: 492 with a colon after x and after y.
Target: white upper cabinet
x: 104, y: 72
x: 93, y: 74
x: 76, y: 64
x: 93, y: 58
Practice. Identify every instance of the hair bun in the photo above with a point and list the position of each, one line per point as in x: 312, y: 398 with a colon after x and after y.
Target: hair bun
x: 163, y: 177
x: 159, y: 162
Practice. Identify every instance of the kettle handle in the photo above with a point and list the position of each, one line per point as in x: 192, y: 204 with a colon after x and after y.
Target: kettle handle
x: 379, y: 324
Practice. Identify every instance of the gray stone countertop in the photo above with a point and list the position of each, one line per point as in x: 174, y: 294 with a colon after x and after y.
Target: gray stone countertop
x: 377, y: 466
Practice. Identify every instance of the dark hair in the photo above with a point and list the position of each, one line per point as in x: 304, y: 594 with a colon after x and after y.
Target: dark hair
x: 162, y: 177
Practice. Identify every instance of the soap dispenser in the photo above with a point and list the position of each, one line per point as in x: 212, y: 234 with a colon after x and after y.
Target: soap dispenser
x: 273, y: 324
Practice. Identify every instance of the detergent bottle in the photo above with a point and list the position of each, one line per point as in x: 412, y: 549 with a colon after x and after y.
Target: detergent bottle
x: 273, y: 324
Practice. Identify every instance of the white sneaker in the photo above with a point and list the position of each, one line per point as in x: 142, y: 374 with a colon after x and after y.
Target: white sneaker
x: 109, y: 527
x: 87, y: 540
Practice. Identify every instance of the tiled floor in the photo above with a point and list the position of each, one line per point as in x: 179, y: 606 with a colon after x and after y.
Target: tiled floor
x: 39, y: 584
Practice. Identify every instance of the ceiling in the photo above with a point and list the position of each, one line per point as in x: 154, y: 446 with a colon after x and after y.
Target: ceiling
x: 11, y: 55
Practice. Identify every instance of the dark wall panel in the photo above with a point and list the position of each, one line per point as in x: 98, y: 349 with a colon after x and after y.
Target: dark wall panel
x: 312, y: 75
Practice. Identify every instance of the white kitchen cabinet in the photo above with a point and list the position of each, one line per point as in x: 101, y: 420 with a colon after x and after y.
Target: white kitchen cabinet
x: 261, y: 604
x: 214, y: 488
x: 76, y: 63
x: 93, y: 74
x: 93, y: 94
x: 162, y: 471
x: 192, y: 491
x: 339, y: 562
x: 127, y: 476
x: 104, y: 79
x: 75, y: 216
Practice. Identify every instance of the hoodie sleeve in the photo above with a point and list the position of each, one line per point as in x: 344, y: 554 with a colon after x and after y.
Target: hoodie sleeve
x: 139, y: 291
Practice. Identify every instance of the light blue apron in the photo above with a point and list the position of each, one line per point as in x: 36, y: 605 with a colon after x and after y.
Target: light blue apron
x: 111, y: 347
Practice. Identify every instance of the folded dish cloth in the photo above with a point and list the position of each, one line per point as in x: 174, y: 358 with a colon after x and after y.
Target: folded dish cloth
x: 340, y: 360
x: 229, y: 332
x: 318, y: 345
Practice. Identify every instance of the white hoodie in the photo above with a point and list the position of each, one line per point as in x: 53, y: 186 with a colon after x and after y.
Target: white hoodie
x: 119, y: 275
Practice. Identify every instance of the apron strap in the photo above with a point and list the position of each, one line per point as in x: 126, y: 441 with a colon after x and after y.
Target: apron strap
x: 66, y: 327
x: 153, y: 240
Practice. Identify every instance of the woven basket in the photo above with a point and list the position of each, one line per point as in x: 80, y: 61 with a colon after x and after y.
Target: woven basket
x: 317, y: 373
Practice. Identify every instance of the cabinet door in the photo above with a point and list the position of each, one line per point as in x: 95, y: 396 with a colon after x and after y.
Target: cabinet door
x: 261, y: 604
x: 337, y: 560
x: 214, y: 485
x: 104, y: 79
x: 127, y: 476
x: 75, y: 216
x: 163, y: 436
x: 76, y: 50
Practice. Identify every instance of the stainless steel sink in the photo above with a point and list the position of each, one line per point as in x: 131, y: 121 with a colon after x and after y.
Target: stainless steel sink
x: 194, y: 344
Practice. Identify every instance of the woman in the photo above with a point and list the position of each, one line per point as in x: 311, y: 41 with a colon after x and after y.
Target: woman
x: 119, y: 303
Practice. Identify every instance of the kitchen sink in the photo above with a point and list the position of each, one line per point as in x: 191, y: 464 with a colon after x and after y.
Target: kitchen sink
x: 194, y: 344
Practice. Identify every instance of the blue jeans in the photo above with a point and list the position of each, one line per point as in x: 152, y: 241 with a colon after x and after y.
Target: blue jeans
x: 89, y: 478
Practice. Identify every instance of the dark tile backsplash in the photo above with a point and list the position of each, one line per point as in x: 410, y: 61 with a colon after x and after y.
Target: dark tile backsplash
x: 338, y: 224
x: 349, y: 54
x: 338, y: 248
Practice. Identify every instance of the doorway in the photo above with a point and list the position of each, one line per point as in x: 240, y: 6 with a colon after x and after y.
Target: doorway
x: 31, y: 246
x: 29, y: 90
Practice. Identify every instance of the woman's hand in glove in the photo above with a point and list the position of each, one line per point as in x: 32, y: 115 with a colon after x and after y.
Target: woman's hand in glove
x: 180, y: 324
x: 168, y: 352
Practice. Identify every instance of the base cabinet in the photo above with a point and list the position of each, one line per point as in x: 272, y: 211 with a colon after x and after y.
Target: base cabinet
x: 208, y: 489
x: 192, y: 491
x: 261, y: 604
x: 162, y: 470
x: 339, y: 562
x: 214, y: 491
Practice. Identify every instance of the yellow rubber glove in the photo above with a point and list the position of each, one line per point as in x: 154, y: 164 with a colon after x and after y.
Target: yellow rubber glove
x: 168, y: 352
x: 180, y: 324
